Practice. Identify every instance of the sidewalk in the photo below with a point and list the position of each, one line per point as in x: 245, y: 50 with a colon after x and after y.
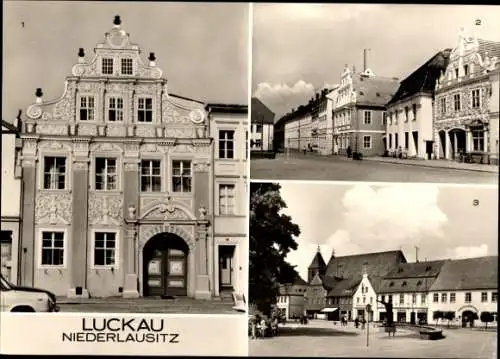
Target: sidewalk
x: 142, y: 301
x: 436, y: 164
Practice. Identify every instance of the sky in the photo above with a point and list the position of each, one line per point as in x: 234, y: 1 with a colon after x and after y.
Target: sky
x: 201, y: 48
x: 300, y: 48
x: 443, y: 221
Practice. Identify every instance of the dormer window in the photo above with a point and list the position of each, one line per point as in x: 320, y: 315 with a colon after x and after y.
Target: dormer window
x: 107, y: 66
x: 419, y: 283
x: 127, y: 67
x: 87, y: 107
x: 428, y: 268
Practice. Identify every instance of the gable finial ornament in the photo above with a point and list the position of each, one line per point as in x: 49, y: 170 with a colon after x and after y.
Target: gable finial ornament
x: 131, y: 212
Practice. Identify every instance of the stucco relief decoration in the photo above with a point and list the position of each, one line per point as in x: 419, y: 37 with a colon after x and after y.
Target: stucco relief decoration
x: 34, y: 112
x: 183, y: 148
x: 201, y: 166
x: 105, y: 209
x: 53, y: 208
x: 105, y: 147
x: 151, y: 147
x: 166, y: 211
x: 174, y: 114
x: 149, y: 231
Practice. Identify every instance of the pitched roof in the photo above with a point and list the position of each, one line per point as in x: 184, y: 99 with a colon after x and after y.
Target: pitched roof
x: 468, y: 274
x: 411, y: 277
x: 424, y: 78
x: 261, y: 113
x: 490, y: 47
x: 316, y: 280
x: 343, y: 274
x: 317, y: 262
x: 373, y: 90
x: 299, y: 281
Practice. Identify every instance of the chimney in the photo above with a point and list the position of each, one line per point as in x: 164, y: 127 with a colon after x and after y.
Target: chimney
x: 416, y: 254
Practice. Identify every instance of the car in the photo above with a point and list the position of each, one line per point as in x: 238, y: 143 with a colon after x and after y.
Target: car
x: 15, y: 298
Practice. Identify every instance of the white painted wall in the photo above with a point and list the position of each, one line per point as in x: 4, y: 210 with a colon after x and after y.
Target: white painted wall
x: 266, y: 136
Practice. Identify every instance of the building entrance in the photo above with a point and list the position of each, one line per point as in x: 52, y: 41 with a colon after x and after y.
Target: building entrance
x: 165, y: 271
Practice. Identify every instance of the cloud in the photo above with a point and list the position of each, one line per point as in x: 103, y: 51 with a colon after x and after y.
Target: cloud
x: 467, y: 252
x: 281, y: 98
x: 388, y: 218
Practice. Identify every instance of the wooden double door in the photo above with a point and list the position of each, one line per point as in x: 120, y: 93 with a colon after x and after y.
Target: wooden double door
x: 165, y: 272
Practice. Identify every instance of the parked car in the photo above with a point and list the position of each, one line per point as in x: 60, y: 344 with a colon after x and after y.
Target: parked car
x: 15, y: 298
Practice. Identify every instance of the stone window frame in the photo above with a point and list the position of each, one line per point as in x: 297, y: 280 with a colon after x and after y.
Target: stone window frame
x: 473, y: 91
x: 442, y: 105
x: 367, y: 120
x: 107, y: 66
x: 108, y: 108
x: 79, y: 106
x: 444, y: 297
x: 151, y: 157
x: 123, y: 65
x: 484, y: 297
x: 370, y: 142
x: 468, y: 294
x: 39, y: 246
x: 457, y: 102
x: 41, y: 170
x: 119, y: 169
x: 435, y: 297
x: 101, y: 229
x: 453, y: 297
x: 235, y: 198
x: 170, y: 172
x: 153, y: 109
x: 226, y: 127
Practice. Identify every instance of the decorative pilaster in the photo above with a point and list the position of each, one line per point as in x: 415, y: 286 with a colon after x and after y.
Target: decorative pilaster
x: 447, y: 144
x: 27, y: 240
x: 131, y: 289
x: 202, y: 279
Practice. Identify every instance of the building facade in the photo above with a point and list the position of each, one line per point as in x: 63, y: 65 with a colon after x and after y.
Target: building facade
x: 409, y: 117
x: 291, y: 300
x: 130, y: 190
x: 467, y: 103
x: 466, y: 291
x: 262, y: 127
x: 359, y: 112
x: 11, y: 200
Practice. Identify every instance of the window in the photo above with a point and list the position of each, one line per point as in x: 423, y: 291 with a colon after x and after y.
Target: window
x: 401, y: 299
x: 390, y: 140
x: 384, y: 118
x: 414, y: 298
x: 226, y: 199
x: 390, y: 298
x: 414, y: 110
x: 87, y: 108
x: 115, y: 109
x: 494, y: 296
x: 391, y: 284
x: 436, y: 298
x: 475, y: 98
x: 52, y: 248
x: 54, y: 173
x: 443, y: 105
x: 406, y: 140
x: 453, y: 297
x: 104, y: 249
x: 150, y: 176
x: 406, y: 113
x: 368, y: 117
x: 396, y: 140
x: 258, y: 128
x: 466, y: 70
x: 181, y: 176
x: 226, y: 144
x: 484, y: 297
x: 105, y: 174
x: 477, y: 138
x: 468, y: 297
x: 444, y: 297
x: 107, y: 66
x: 145, y: 110
x: 456, y: 100
x: 127, y: 67
x: 423, y: 298
x: 367, y: 141
x: 404, y: 284
x: 456, y: 73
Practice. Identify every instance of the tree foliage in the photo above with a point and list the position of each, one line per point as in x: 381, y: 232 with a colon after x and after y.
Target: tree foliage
x: 271, y: 239
x: 487, y: 317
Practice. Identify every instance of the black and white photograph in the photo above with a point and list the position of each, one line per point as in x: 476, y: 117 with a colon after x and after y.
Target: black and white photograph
x: 375, y: 92
x: 373, y: 270
x: 124, y: 166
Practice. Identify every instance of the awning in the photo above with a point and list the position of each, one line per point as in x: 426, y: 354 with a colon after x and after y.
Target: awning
x: 328, y: 310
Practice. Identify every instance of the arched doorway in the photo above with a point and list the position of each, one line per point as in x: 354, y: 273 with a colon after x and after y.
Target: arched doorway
x: 165, y: 266
x: 442, y: 144
x: 468, y: 317
x: 458, y: 143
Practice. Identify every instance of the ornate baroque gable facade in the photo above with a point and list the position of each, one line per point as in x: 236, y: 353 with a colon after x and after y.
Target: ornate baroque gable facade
x: 119, y: 182
x: 467, y: 101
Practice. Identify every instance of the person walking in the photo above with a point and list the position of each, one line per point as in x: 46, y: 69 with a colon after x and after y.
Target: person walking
x: 349, y: 151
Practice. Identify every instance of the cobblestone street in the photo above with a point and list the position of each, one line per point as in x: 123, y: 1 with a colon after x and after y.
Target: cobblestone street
x: 336, y: 168
x: 324, y: 339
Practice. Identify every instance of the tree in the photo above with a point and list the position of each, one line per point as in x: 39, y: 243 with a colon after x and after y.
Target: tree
x: 271, y: 239
x: 449, y: 316
x: 487, y: 317
x: 437, y: 315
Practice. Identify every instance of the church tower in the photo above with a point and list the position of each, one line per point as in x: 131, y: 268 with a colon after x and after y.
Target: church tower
x: 317, y: 265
